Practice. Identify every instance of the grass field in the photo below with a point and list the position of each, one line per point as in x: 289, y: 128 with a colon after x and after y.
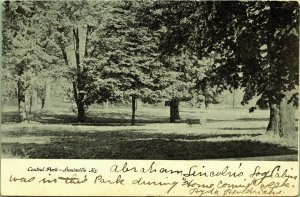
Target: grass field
x: 230, y: 133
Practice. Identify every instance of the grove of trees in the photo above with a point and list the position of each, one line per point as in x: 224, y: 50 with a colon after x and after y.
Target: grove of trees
x: 154, y: 51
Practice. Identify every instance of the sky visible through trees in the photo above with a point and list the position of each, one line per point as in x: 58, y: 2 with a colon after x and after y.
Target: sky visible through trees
x: 153, y: 51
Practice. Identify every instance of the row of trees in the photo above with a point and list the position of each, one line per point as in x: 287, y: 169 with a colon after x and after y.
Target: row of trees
x: 155, y: 50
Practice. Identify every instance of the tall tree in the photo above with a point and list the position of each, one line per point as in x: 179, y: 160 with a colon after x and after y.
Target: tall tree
x: 275, y: 56
x: 184, y: 69
x: 258, y: 43
x: 24, y: 51
x: 77, y: 26
x: 254, y: 46
x: 173, y: 19
x: 132, y: 55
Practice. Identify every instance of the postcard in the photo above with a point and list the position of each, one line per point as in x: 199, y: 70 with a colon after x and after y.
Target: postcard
x: 150, y: 98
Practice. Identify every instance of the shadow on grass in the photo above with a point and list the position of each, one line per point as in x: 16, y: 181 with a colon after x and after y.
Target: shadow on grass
x: 103, y: 119
x: 133, y: 145
x: 253, y: 119
x: 241, y: 129
x: 240, y: 119
x: 9, y: 117
x: 124, y: 135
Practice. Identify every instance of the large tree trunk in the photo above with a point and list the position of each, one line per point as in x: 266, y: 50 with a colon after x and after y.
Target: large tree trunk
x: 73, y: 55
x: 81, y: 112
x: 282, y: 118
x: 46, y: 101
x: 43, y: 103
x: 21, y: 101
x: 81, y: 117
x: 30, y: 104
x: 287, y: 118
x: 133, y: 108
x: 174, y: 110
x: 79, y: 42
x: 274, y: 119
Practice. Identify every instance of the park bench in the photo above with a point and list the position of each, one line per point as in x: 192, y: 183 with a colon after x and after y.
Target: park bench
x: 192, y: 121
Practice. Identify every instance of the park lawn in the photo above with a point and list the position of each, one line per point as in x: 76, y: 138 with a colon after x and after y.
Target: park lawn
x: 227, y: 134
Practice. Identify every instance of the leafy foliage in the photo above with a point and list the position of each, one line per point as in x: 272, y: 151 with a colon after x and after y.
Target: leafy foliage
x: 153, y: 50
x: 29, y: 52
x: 132, y: 66
x: 257, y: 47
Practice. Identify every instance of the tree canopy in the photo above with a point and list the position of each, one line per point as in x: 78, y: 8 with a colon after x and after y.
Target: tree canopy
x: 154, y: 51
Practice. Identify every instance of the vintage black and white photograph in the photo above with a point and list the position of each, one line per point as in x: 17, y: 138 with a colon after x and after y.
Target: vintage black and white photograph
x: 150, y: 80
